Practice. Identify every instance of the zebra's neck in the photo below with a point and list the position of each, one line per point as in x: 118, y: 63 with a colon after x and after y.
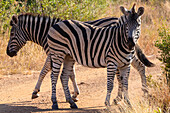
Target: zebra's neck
x: 118, y: 49
x: 36, y: 28
x: 122, y: 26
x: 120, y: 37
x: 122, y: 20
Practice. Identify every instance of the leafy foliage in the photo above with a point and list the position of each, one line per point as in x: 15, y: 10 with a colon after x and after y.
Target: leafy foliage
x: 82, y: 10
x: 163, y: 45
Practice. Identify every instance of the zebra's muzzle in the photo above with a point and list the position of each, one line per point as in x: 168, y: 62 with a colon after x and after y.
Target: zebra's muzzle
x: 130, y: 43
x: 11, y: 53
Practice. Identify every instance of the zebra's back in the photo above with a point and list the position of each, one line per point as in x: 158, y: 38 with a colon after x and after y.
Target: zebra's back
x: 87, y: 44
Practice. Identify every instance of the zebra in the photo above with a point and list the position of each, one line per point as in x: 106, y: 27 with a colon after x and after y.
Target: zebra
x: 104, y: 22
x: 21, y: 24
x: 25, y: 29
x: 112, y: 47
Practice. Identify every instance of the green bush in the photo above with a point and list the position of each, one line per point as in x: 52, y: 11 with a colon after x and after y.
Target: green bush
x: 82, y: 10
x: 163, y: 44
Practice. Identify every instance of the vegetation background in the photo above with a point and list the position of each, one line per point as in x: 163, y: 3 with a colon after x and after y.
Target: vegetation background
x: 154, y: 39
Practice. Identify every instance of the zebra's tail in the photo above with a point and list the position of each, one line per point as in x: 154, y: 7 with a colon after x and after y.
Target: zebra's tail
x: 142, y: 57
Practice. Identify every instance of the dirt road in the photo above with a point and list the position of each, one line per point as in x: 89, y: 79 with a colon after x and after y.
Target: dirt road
x: 16, y: 91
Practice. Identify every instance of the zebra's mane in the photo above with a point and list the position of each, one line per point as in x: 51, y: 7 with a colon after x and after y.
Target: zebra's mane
x: 122, y: 20
x: 35, y: 15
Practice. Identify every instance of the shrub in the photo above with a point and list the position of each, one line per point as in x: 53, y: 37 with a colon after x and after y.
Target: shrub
x: 163, y: 44
x: 82, y: 10
x: 159, y: 94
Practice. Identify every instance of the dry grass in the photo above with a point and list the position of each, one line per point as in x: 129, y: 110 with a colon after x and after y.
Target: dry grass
x: 32, y: 57
x: 155, y: 16
x: 157, y: 102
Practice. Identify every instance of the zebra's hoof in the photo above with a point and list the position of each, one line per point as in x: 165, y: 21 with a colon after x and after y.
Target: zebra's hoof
x: 107, y: 104
x: 55, y: 106
x: 128, y: 103
x: 75, y: 99
x: 115, y: 102
x: 35, y: 95
x: 73, y: 106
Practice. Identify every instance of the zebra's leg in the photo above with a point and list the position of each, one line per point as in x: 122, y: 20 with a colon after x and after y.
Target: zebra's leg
x: 111, y: 70
x: 56, y: 61
x: 140, y: 67
x: 76, y: 89
x: 69, y: 65
x: 124, y: 72
x: 67, y: 70
x: 44, y: 71
x: 120, y: 88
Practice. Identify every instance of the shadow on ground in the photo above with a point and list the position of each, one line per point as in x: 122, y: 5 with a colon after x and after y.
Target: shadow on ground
x: 27, y: 107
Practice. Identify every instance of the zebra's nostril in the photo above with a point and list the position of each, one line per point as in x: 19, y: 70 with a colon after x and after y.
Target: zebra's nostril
x: 11, y: 53
x: 130, y: 43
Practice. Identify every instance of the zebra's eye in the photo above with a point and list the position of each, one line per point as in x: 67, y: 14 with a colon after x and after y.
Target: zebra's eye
x: 12, y: 34
x: 138, y: 24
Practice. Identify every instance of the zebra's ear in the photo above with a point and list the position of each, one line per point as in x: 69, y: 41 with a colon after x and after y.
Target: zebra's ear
x: 140, y: 11
x: 133, y: 9
x: 123, y: 10
x: 14, y: 20
x: 11, y: 23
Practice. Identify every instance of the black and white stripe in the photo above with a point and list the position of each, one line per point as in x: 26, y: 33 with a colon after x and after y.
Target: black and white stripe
x: 35, y: 28
x: 27, y: 27
x: 112, y: 47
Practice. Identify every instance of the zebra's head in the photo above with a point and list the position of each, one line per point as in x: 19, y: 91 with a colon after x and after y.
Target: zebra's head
x: 133, y: 22
x: 16, y: 41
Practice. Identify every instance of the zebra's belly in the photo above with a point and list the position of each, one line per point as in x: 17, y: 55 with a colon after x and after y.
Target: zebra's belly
x: 90, y: 62
x: 93, y: 66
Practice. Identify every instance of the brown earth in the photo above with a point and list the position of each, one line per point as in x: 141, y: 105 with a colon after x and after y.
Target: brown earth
x: 16, y: 91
